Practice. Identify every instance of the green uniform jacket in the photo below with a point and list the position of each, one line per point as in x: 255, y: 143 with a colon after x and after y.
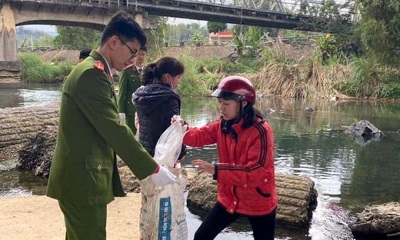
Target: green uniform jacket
x: 83, y: 169
x: 128, y: 83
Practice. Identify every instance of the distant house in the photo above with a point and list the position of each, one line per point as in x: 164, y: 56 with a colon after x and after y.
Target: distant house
x: 220, y: 38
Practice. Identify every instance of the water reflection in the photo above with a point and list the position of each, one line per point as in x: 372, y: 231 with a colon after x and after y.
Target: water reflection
x: 347, y: 176
x: 29, y: 95
x: 16, y: 183
x: 10, y: 98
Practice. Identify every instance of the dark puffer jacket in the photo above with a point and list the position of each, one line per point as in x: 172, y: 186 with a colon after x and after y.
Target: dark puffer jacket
x: 155, y: 105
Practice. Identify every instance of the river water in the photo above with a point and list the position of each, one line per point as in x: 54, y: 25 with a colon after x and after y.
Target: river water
x: 348, y: 175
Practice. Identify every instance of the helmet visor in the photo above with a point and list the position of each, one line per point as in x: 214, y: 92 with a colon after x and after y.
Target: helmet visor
x: 226, y: 95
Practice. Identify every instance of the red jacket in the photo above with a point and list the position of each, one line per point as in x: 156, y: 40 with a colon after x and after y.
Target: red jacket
x: 245, y: 172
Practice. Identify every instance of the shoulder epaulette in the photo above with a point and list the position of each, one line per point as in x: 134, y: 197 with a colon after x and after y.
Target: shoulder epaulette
x: 129, y: 66
x: 99, y: 65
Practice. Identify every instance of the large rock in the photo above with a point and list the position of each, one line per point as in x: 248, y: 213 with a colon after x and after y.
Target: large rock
x: 364, y: 132
x: 378, y: 222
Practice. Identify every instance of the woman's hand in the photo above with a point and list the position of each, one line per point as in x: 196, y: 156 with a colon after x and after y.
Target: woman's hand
x: 177, y: 118
x: 184, y: 124
x: 203, y: 166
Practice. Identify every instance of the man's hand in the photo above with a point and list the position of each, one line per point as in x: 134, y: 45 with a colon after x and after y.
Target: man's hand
x: 162, y: 176
x: 136, y: 121
x: 122, y: 118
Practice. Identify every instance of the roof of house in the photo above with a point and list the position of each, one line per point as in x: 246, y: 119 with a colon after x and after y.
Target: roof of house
x: 221, y: 35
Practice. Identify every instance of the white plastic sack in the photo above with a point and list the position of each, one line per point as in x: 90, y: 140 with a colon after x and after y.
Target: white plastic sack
x: 162, y: 215
x: 169, y: 145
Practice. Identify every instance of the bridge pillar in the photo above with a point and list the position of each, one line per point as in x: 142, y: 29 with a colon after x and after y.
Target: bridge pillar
x: 142, y: 18
x: 10, y: 66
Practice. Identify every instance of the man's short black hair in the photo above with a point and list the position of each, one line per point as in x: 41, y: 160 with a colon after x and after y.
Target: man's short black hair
x: 123, y: 25
x: 143, y: 48
x: 84, y: 53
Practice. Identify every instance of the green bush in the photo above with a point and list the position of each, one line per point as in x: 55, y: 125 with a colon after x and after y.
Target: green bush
x: 35, y: 70
x: 197, y: 81
x: 372, y: 79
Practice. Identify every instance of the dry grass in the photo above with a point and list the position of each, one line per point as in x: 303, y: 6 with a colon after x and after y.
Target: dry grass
x: 305, y: 80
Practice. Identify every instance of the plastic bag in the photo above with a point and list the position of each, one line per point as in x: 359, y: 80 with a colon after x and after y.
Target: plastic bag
x: 169, y: 145
x: 162, y: 215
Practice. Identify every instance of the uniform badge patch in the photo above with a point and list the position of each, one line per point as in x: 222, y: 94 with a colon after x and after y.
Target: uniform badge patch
x: 99, y: 65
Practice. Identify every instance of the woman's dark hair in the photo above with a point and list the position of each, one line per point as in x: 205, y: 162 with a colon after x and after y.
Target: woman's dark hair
x: 153, y: 72
x: 123, y: 25
x: 249, y: 115
x: 84, y: 53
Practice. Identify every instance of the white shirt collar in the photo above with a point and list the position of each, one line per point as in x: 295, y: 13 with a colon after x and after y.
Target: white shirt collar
x: 108, y: 66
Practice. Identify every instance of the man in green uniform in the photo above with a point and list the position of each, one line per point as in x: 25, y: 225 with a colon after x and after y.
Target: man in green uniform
x: 83, y: 174
x: 128, y: 83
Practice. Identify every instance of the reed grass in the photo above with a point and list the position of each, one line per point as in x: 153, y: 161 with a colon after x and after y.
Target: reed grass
x: 306, y: 80
x: 35, y: 70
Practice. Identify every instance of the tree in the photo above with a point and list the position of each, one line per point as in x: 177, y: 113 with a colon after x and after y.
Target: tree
x: 175, y: 34
x: 214, y: 27
x: 45, y: 41
x: 198, y: 38
x: 155, y: 35
x: 249, y: 43
x: 379, y: 29
x: 77, y: 37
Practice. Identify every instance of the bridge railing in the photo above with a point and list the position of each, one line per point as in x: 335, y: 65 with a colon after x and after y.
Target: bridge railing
x: 199, y: 10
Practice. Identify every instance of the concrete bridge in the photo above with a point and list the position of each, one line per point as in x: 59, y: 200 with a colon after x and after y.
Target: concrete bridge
x: 96, y: 13
x: 91, y: 14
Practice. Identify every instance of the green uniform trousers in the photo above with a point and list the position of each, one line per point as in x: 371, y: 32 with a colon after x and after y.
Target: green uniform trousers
x: 84, y: 222
x: 130, y: 121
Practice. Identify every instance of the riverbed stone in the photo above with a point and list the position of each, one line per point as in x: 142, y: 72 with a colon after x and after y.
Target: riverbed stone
x: 364, y: 132
x: 378, y: 222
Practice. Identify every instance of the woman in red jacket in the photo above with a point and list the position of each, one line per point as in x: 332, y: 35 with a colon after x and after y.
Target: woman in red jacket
x: 245, y: 171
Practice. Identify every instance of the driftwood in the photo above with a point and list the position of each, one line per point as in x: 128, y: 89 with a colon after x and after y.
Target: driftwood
x: 19, y: 124
x: 297, y: 197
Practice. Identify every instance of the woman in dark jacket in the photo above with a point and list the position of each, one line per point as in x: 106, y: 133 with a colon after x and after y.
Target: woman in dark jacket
x: 156, y: 101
